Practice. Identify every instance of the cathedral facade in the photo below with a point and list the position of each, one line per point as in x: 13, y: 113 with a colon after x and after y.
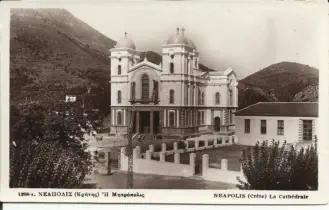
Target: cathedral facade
x: 174, y: 98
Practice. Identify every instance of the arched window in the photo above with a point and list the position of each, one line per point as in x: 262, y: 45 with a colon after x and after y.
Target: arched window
x: 145, y: 87
x: 202, y: 98
x: 133, y: 90
x: 119, y: 97
x: 119, y: 120
x: 119, y: 69
x: 217, y: 98
x: 171, y: 96
x: 171, y: 68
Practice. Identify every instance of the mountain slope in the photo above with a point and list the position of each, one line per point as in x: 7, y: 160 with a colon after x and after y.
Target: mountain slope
x: 52, y: 50
x: 285, y: 81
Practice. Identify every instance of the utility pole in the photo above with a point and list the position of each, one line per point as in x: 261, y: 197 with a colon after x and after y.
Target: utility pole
x: 130, y: 181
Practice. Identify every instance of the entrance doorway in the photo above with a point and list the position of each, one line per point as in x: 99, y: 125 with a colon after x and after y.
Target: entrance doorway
x: 143, y: 124
x: 217, y: 123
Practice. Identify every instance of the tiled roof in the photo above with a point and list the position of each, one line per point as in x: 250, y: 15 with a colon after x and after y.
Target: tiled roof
x: 287, y: 109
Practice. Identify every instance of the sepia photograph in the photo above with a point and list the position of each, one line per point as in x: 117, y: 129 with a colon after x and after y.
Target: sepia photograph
x: 170, y: 95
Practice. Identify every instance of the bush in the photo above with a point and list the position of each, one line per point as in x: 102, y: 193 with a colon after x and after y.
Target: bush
x: 47, y: 144
x: 169, y: 146
x: 181, y: 145
x: 201, y: 143
x: 46, y: 165
x: 191, y: 144
x: 210, y: 142
x: 271, y: 167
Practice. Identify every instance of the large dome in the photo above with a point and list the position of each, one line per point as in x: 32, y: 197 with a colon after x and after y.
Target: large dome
x: 190, y: 43
x: 125, y: 43
x: 178, y: 38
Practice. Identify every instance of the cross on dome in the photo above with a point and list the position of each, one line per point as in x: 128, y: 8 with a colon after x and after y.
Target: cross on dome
x: 183, y: 30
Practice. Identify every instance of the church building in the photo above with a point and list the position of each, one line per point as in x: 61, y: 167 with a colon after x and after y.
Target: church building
x: 175, y: 98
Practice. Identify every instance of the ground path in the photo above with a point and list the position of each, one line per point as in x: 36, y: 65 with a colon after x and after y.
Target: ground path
x: 149, y: 181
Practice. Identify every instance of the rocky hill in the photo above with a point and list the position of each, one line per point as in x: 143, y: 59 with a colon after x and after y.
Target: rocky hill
x: 285, y: 81
x: 52, y: 50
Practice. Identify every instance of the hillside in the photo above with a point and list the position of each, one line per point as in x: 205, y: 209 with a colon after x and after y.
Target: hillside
x: 283, y: 81
x: 51, y: 50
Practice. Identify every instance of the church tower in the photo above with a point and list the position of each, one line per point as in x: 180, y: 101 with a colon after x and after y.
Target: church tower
x: 123, y: 56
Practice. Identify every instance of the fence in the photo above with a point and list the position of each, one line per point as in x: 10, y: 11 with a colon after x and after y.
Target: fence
x: 149, y: 166
x: 194, y: 145
x: 146, y: 165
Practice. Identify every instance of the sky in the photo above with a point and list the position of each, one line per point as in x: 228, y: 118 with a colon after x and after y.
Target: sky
x: 238, y: 35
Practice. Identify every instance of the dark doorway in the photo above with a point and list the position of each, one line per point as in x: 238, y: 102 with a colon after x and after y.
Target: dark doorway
x: 156, y: 122
x: 217, y: 123
x: 144, y: 122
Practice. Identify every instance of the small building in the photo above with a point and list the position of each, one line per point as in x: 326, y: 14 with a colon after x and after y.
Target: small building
x: 295, y: 122
x: 70, y: 98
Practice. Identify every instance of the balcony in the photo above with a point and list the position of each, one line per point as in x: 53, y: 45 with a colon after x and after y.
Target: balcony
x: 153, y: 101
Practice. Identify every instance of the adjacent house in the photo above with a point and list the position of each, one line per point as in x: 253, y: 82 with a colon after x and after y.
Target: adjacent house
x: 295, y: 122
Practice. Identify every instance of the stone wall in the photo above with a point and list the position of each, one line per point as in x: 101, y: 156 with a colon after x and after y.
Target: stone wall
x: 222, y: 174
x: 149, y: 166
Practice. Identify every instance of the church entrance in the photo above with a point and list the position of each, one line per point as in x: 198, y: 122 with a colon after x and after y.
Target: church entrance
x: 217, y: 123
x: 147, y: 122
x: 144, y: 122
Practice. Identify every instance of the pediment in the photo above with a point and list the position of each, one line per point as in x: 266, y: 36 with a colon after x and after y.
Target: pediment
x: 229, y: 72
x: 145, y: 63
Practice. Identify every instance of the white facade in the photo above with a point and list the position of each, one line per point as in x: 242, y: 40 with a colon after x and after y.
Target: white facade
x: 173, y: 98
x: 271, y: 126
x: 292, y: 130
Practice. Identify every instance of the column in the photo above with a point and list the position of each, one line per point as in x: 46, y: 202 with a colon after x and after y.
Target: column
x: 137, y: 122
x: 124, y: 116
x: 115, y: 117
x: 113, y: 114
x: 164, y: 118
x: 151, y: 122
x: 177, y: 118
x: 212, y: 117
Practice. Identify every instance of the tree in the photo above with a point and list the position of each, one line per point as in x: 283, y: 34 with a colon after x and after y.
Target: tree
x: 48, y: 148
x: 275, y: 167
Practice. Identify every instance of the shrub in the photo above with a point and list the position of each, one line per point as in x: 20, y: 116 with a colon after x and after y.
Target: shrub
x: 181, y: 145
x: 271, y: 167
x: 191, y: 144
x: 46, y: 165
x: 201, y: 143
x: 47, y: 144
x: 169, y: 146
x: 157, y: 148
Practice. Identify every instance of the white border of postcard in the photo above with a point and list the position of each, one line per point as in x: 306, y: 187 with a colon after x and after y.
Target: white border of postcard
x: 170, y: 196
